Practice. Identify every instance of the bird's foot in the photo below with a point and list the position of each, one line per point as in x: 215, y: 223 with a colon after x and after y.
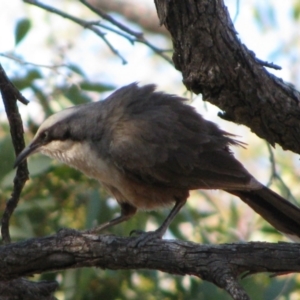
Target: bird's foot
x: 144, y: 237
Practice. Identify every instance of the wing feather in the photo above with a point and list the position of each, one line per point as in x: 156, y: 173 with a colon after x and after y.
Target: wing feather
x: 159, y: 139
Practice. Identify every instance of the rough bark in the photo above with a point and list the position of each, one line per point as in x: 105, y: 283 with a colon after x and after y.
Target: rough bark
x: 215, y: 63
x: 220, y: 264
x: 24, y: 289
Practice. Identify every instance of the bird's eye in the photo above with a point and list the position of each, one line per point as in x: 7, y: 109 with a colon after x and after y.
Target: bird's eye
x: 44, y: 135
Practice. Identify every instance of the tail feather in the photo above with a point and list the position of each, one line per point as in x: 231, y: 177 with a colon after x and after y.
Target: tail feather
x: 279, y: 212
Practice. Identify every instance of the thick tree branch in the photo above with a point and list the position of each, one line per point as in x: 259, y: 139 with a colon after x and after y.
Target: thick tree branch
x: 214, y: 62
x: 27, y: 290
x: 220, y: 264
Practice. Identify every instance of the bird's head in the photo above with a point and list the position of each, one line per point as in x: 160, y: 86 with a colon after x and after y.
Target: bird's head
x: 52, y: 136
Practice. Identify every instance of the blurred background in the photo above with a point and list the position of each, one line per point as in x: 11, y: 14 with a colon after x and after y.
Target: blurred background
x: 57, y: 63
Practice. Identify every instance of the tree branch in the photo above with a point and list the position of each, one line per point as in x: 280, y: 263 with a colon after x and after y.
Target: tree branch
x: 138, y: 36
x: 78, y: 21
x: 10, y: 95
x: 220, y: 264
x: 130, y: 35
x: 214, y: 62
x: 134, y: 11
x: 27, y: 290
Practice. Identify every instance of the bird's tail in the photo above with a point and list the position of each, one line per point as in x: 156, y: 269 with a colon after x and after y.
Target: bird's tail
x: 279, y: 212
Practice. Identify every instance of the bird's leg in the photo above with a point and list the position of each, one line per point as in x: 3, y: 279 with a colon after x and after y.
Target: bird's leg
x: 145, y: 237
x: 127, y: 211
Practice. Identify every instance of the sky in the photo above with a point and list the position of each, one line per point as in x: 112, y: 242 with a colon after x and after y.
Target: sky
x: 264, y: 42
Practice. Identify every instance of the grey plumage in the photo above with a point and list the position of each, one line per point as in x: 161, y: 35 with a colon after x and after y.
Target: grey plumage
x: 149, y: 149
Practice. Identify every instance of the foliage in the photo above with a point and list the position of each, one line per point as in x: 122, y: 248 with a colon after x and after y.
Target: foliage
x: 57, y: 196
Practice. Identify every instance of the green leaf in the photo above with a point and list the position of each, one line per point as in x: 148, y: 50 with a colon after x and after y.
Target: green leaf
x: 95, y: 86
x: 76, y: 69
x: 41, y: 95
x: 33, y: 74
x: 26, y: 81
x: 296, y: 11
x: 21, y: 30
x: 74, y: 94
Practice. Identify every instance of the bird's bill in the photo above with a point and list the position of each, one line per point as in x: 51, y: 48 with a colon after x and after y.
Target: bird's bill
x: 30, y: 149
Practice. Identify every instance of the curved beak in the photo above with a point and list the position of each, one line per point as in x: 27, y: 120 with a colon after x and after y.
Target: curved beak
x: 30, y: 149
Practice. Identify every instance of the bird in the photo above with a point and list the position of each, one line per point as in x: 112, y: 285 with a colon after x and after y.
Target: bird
x: 149, y: 149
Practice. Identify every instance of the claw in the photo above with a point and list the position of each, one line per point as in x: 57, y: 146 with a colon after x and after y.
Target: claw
x: 144, y: 237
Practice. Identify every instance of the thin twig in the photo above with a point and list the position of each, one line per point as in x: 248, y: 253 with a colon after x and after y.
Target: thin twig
x: 138, y: 36
x: 80, y: 22
x: 107, y: 17
x: 275, y: 176
x: 23, y: 62
x: 10, y: 95
x: 111, y: 29
x: 267, y: 64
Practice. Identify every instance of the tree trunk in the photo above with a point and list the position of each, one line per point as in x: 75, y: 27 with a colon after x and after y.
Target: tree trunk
x: 215, y: 63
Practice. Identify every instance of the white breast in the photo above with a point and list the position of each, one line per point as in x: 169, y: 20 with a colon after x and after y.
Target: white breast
x: 82, y: 157
x: 79, y: 155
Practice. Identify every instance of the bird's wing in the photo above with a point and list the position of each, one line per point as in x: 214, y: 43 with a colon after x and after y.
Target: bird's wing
x: 172, y: 145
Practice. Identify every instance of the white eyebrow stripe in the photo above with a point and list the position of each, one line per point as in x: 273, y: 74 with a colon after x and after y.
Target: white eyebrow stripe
x: 55, y: 118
